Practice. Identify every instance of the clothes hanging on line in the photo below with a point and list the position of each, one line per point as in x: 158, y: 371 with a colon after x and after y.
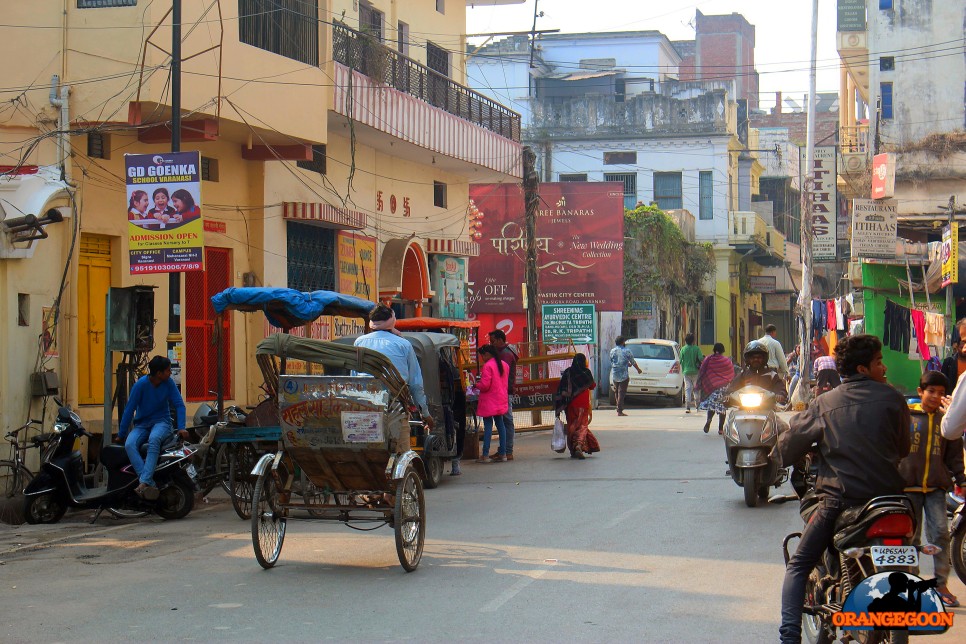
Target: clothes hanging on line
x: 935, y: 329
x: 919, y: 331
x: 896, y: 328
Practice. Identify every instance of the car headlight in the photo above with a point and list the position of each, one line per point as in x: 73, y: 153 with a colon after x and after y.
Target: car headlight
x: 751, y: 400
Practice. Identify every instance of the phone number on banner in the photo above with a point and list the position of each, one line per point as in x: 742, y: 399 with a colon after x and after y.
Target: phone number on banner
x: 166, y: 268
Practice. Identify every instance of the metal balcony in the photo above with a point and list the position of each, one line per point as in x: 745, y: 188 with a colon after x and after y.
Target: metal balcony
x: 366, y: 54
x: 751, y: 236
x: 854, y: 148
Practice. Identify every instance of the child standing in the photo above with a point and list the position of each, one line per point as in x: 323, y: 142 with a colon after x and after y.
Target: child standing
x: 930, y: 468
x: 494, y: 401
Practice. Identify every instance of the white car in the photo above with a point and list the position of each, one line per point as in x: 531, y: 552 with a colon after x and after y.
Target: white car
x: 660, y: 377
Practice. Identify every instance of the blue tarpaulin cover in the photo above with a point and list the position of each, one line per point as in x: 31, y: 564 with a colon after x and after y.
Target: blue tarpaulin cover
x: 287, y: 308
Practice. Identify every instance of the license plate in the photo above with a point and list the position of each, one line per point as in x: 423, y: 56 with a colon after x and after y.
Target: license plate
x: 895, y: 556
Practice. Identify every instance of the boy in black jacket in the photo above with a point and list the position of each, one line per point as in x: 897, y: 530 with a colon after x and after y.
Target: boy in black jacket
x: 930, y: 469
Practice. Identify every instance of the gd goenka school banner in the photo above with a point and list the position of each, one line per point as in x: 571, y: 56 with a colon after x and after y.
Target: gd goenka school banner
x: 165, y: 229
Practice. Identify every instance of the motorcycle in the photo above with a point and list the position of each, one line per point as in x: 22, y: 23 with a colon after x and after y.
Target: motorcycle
x: 866, y: 538
x: 61, y: 483
x: 750, y: 433
x: 957, y: 533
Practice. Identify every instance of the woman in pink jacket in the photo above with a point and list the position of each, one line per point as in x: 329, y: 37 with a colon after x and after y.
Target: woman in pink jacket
x: 493, y: 402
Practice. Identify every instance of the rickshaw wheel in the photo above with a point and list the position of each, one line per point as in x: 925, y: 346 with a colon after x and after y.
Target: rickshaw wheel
x: 409, y: 520
x: 268, y: 524
x: 240, y: 479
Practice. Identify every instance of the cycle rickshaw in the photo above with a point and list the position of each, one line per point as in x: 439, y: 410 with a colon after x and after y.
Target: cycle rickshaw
x: 349, y: 435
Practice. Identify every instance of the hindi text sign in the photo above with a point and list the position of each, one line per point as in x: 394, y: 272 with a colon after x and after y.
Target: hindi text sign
x: 874, y: 228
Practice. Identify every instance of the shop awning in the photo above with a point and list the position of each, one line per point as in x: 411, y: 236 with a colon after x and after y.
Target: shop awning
x: 457, y: 247
x: 324, y: 213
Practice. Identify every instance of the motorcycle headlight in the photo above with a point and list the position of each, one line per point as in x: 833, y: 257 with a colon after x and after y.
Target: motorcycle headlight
x: 60, y: 428
x: 767, y: 431
x: 750, y: 400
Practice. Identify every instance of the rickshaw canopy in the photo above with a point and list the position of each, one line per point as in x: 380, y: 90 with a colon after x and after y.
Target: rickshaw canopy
x: 287, y: 308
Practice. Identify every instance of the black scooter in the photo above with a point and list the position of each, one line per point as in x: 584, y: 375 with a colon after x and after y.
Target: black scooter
x: 61, y: 483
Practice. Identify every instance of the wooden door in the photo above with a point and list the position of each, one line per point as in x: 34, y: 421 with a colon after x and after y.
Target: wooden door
x: 93, y: 283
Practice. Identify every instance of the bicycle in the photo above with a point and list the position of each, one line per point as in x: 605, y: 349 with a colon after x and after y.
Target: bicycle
x: 14, y: 474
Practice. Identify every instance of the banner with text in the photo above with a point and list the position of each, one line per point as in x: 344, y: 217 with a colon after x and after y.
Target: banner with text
x: 579, y: 239
x: 447, y: 277
x: 357, y: 265
x: 564, y: 323
x: 950, y: 255
x: 874, y: 228
x: 165, y: 228
x: 824, y: 202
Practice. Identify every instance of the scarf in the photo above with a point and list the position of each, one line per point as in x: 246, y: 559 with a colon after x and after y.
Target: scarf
x: 717, y: 370
x: 573, y: 382
x: 385, y: 325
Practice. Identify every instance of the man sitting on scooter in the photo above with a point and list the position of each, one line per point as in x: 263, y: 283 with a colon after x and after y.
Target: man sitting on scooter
x: 151, y: 400
x: 862, y: 431
x: 757, y: 373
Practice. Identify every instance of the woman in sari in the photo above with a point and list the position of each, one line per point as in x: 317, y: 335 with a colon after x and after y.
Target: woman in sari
x: 573, y: 397
x: 715, y: 375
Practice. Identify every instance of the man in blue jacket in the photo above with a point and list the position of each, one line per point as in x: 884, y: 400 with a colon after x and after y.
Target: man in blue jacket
x: 151, y: 400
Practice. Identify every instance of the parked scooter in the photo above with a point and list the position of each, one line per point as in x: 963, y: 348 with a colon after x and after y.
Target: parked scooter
x: 750, y: 433
x: 61, y: 483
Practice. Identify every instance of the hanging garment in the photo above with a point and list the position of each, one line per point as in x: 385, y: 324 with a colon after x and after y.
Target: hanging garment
x: 830, y: 315
x: 896, y: 333
x: 935, y: 329
x: 839, y: 315
x: 919, y: 329
x: 819, y: 313
x: 833, y: 340
x: 857, y: 326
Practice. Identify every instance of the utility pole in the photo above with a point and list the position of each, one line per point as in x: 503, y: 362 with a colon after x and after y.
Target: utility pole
x: 175, y: 338
x: 531, y: 201
x: 805, y: 296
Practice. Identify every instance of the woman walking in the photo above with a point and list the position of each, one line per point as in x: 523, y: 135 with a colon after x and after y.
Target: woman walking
x: 573, y: 396
x: 493, y: 402
x: 715, y: 374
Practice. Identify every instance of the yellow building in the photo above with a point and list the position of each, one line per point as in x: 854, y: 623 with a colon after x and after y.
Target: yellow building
x: 337, y: 141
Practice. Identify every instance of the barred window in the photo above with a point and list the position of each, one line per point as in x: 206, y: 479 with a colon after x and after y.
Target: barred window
x: 311, y: 257
x: 209, y: 169
x: 667, y: 190
x: 98, y: 145
x: 101, y: 4
x: 630, y: 186
x: 288, y: 28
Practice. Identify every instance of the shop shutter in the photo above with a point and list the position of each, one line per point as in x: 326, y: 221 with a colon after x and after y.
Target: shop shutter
x: 201, y: 354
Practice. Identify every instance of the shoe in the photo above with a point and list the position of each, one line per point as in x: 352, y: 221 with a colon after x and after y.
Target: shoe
x: 687, y: 411
x: 455, y: 468
x: 579, y: 453
x: 147, y: 492
x: 509, y: 457
x: 948, y: 598
x: 499, y: 458
x: 484, y: 459
x: 620, y: 413
x: 707, y: 428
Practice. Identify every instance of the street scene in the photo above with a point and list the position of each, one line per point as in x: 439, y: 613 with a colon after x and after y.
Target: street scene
x: 482, y: 319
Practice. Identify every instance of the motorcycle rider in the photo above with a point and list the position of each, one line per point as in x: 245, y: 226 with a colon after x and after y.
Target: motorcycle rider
x: 862, y: 431
x: 757, y: 373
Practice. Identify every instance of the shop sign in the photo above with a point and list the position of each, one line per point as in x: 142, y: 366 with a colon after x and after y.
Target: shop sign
x: 640, y: 307
x: 448, y: 279
x: 534, y: 394
x: 215, y: 226
x: 563, y: 323
x: 762, y: 283
x: 579, y: 245
x: 950, y: 255
x: 357, y: 265
x: 874, y: 228
x: 883, y: 175
x: 777, y: 302
x: 165, y: 229
x: 851, y: 15
x: 824, y: 214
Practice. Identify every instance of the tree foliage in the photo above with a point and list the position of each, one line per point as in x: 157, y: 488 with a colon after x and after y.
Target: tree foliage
x: 661, y: 261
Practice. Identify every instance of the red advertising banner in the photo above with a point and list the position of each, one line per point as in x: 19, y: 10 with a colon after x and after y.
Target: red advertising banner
x: 884, y: 175
x: 580, y: 246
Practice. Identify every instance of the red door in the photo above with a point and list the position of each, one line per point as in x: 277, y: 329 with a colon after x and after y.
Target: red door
x: 201, y: 354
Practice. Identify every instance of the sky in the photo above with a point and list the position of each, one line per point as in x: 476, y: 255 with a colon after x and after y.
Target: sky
x: 782, y: 31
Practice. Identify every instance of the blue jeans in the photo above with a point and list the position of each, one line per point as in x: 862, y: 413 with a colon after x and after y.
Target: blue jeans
x: 488, y: 429
x: 508, y: 423
x: 937, y: 527
x: 153, y: 435
x: 815, y: 540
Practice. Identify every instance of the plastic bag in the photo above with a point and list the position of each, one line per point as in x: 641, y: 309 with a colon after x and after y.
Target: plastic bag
x: 558, y: 441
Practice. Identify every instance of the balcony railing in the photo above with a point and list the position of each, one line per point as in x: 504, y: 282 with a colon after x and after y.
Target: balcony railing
x: 854, y: 139
x: 365, y: 54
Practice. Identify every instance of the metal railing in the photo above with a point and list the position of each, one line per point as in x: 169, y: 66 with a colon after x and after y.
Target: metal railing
x: 854, y: 139
x: 366, y: 54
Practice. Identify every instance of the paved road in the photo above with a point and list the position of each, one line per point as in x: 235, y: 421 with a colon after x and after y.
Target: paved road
x: 647, y: 541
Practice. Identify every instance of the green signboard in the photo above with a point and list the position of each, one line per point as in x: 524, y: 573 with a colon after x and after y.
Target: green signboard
x: 564, y: 323
x: 851, y: 15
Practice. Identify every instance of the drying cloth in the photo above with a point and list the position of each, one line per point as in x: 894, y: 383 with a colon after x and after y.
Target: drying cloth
x: 839, y: 316
x: 830, y: 315
x: 919, y: 329
x: 819, y: 313
x: 895, y: 334
x: 935, y: 329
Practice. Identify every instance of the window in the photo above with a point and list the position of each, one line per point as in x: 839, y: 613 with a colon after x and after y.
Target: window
x: 620, y: 90
x: 887, y: 63
x: 23, y: 309
x: 667, y: 190
x: 652, y: 351
x: 311, y: 257
x: 437, y: 58
x: 317, y: 164
x: 707, y: 320
x: 99, y: 4
x: 439, y: 194
x: 98, y: 145
x: 370, y: 20
x: 885, y: 5
x: 402, y: 38
x: 630, y: 187
x: 620, y: 158
x: 572, y: 177
x: 441, y: 6
x: 209, y: 169
x: 705, y: 195
x: 288, y: 28
x: 885, y: 94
